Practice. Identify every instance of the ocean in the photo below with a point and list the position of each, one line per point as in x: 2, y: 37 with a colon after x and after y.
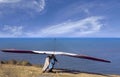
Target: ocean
x: 105, y: 48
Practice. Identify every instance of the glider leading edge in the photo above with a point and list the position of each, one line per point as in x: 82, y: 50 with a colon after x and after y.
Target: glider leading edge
x: 55, y: 53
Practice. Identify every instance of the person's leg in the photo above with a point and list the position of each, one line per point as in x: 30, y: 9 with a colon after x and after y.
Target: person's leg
x: 50, y: 68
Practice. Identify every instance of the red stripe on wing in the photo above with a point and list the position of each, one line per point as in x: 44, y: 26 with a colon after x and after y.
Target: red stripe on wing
x: 17, y: 51
x: 89, y: 58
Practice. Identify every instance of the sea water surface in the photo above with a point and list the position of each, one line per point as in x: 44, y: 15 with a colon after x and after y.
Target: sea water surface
x: 105, y: 48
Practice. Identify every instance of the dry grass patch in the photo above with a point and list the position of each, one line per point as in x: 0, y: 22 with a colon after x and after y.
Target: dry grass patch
x: 19, y: 71
x: 8, y: 70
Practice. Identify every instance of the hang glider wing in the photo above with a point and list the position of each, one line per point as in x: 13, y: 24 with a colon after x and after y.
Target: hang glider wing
x: 55, y: 53
x: 18, y: 51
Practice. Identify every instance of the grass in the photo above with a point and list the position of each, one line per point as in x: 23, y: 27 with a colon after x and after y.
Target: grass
x: 11, y: 69
x: 7, y: 70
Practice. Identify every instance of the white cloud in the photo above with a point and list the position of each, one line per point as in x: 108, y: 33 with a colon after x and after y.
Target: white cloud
x: 11, y: 31
x: 77, y: 28
x: 40, y: 5
x: 78, y: 8
x: 27, y: 7
x: 9, y: 1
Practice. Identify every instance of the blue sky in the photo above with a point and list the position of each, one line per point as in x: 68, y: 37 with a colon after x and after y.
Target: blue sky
x: 59, y: 18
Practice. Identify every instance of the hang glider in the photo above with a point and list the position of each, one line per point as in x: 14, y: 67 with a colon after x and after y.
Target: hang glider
x: 55, y: 53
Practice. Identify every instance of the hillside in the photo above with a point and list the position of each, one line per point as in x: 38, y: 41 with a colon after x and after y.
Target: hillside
x: 8, y: 70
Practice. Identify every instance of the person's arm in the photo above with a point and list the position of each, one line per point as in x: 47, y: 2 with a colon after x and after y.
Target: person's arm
x: 55, y: 59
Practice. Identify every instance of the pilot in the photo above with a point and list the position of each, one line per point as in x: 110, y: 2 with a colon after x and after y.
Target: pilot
x: 49, y: 63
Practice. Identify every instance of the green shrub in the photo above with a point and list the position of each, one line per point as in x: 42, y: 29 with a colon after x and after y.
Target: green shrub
x: 24, y: 63
x: 2, y: 62
x: 18, y: 62
x: 12, y: 62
